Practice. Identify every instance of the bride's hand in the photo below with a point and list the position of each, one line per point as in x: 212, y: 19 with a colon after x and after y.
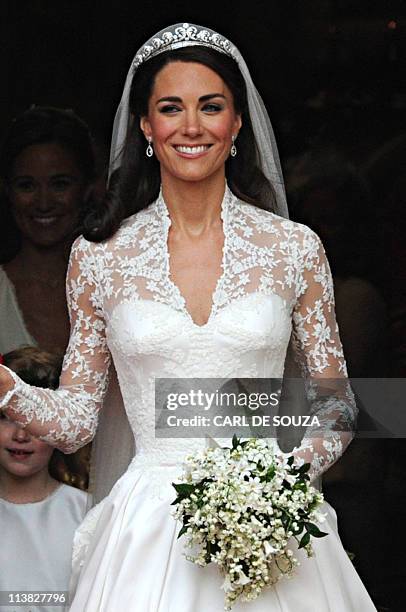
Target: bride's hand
x: 6, y: 381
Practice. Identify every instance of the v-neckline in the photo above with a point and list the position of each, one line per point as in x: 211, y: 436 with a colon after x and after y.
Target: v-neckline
x: 175, y: 291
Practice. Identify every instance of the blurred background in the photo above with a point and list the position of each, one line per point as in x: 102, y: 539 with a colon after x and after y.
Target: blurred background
x: 321, y: 65
x: 332, y: 74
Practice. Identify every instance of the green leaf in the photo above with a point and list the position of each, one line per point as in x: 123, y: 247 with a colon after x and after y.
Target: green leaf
x: 291, y: 460
x: 285, y: 518
x: 304, y: 468
x: 314, y: 531
x: 184, y: 488
x: 270, y: 473
x: 235, y: 441
x: 183, y: 530
x: 304, y: 540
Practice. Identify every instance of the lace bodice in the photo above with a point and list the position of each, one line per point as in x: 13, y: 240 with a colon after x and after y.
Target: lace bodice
x: 275, y: 282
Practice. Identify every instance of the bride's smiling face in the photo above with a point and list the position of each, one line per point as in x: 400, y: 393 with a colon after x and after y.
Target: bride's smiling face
x: 191, y: 120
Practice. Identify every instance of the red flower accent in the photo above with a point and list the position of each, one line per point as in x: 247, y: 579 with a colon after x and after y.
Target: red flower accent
x: 1, y: 359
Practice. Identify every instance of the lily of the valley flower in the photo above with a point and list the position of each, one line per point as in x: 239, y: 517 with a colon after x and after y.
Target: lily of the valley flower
x: 235, y: 507
x: 243, y: 579
x: 269, y: 550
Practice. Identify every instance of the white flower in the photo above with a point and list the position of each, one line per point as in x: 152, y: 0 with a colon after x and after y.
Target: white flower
x: 227, y: 586
x: 290, y: 478
x: 319, y: 517
x: 239, y: 509
x: 269, y: 550
x: 243, y: 579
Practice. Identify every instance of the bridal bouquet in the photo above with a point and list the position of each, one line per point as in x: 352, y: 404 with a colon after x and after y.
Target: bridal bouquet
x: 239, y: 508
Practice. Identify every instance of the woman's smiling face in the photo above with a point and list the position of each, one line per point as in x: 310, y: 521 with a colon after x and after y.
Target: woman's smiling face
x: 46, y: 190
x: 191, y: 121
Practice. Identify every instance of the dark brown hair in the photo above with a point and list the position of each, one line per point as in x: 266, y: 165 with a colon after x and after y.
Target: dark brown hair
x: 34, y: 366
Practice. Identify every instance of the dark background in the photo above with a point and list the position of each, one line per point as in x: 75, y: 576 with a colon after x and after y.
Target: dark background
x: 332, y: 74
x: 312, y: 60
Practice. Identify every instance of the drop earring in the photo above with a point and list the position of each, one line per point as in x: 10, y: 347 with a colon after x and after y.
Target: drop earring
x: 150, y: 151
x: 233, y: 150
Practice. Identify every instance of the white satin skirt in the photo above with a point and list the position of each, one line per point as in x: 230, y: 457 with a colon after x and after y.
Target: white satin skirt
x: 127, y: 558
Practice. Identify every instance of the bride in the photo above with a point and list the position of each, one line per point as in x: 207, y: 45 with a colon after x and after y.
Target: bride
x: 191, y: 270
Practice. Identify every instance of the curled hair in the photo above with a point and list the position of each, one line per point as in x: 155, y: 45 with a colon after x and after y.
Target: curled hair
x: 136, y: 184
x: 40, y: 125
x: 42, y: 369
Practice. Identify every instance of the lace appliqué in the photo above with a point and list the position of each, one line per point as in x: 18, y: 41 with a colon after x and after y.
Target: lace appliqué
x: 275, y: 284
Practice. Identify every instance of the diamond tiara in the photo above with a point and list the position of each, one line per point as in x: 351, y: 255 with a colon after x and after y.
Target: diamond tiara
x: 183, y: 35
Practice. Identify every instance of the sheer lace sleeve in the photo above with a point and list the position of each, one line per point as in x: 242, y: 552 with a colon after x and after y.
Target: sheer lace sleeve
x: 67, y: 417
x: 319, y: 350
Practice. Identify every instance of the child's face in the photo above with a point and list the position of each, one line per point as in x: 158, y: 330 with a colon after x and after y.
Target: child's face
x: 21, y: 455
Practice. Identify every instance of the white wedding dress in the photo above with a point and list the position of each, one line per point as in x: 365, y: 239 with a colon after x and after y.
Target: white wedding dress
x: 123, y: 303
